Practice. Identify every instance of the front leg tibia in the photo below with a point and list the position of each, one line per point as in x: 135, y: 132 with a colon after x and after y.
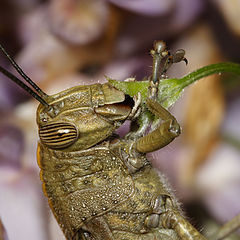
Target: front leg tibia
x: 173, y: 220
x: 163, y: 135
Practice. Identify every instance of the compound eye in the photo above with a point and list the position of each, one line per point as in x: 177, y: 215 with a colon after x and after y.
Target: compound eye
x: 58, y: 135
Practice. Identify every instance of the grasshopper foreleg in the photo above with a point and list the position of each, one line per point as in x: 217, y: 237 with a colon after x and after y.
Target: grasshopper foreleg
x: 163, y: 135
x: 166, y: 215
x: 173, y: 220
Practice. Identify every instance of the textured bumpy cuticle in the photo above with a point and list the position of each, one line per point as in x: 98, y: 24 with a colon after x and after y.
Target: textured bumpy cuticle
x: 100, y: 186
x: 84, y: 184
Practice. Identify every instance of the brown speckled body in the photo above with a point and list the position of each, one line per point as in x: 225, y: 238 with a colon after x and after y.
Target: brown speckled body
x: 83, y: 185
x: 100, y: 186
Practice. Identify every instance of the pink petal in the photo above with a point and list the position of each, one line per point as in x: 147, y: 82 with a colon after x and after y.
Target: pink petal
x: 21, y: 205
x: 146, y: 7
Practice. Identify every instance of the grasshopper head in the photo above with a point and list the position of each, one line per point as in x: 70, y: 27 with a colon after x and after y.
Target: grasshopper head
x: 82, y: 116
x: 76, y: 118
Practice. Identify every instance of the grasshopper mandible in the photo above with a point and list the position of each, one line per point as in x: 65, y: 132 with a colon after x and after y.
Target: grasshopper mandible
x: 100, y: 186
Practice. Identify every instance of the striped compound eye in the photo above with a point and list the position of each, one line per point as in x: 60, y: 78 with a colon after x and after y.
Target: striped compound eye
x: 58, y: 135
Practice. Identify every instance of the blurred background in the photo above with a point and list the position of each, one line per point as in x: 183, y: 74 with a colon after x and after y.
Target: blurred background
x: 63, y: 43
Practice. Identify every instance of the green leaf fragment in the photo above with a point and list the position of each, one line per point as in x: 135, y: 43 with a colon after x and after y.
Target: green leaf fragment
x: 131, y: 88
x: 171, y: 89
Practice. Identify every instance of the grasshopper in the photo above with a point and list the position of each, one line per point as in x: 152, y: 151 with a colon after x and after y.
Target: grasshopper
x: 100, y: 186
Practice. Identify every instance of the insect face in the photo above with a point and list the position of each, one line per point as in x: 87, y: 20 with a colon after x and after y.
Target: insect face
x: 82, y: 116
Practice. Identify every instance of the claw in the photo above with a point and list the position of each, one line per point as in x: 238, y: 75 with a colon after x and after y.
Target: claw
x: 136, y: 110
x: 186, y: 61
x: 178, y: 56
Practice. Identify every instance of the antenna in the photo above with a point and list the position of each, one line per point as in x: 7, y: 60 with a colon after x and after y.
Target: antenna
x: 20, y: 71
x: 40, y: 95
x: 23, y: 85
